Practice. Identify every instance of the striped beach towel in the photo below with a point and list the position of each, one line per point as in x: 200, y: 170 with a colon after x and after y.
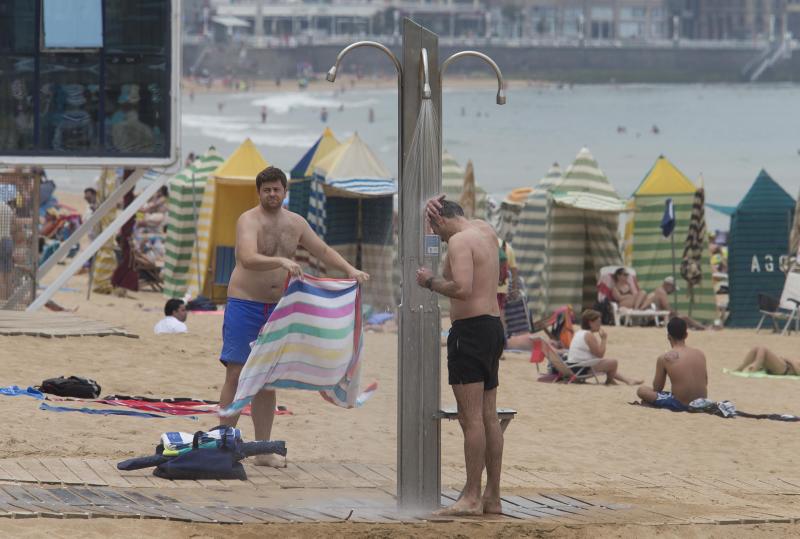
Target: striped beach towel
x: 312, y: 341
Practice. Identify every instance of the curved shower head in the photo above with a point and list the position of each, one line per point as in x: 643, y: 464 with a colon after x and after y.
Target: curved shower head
x: 501, y: 92
x: 331, y: 76
x: 426, y: 86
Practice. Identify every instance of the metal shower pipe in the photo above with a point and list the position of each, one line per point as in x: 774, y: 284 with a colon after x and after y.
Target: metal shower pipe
x: 501, y: 92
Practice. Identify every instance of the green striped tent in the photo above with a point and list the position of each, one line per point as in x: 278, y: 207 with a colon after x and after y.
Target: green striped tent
x: 453, y: 184
x: 530, y: 240
x: 581, y: 234
x: 185, y: 198
x: 652, y: 252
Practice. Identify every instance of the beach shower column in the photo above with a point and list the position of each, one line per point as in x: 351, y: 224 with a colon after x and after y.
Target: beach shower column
x: 419, y: 328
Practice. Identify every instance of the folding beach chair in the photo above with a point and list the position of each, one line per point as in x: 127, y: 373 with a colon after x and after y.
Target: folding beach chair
x: 784, y: 309
x: 624, y: 315
x: 570, y: 373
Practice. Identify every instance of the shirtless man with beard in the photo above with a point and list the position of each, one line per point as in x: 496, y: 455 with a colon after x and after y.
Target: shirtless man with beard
x: 267, y: 237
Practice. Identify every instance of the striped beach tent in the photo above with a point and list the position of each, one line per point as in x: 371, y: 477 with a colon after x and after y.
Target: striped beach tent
x: 581, y: 233
x: 229, y: 192
x: 300, y: 191
x: 183, y: 208
x: 651, y: 252
x: 758, y: 251
x: 313, y: 341
x: 510, y: 210
x: 352, y: 209
x: 530, y: 240
x: 454, y: 178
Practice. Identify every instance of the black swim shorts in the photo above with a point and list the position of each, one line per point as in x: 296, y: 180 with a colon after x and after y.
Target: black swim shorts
x: 474, y: 347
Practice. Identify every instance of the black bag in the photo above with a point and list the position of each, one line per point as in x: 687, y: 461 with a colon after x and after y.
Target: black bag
x: 221, y: 462
x: 606, y: 312
x: 74, y: 386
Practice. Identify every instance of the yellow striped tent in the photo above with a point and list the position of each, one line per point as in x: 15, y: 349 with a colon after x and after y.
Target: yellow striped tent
x: 185, y: 199
x: 651, y: 252
x: 229, y: 192
x: 582, y: 219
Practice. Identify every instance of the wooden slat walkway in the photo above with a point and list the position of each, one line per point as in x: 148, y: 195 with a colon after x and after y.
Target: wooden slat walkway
x: 94, y: 502
x: 93, y: 487
x: 48, y: 324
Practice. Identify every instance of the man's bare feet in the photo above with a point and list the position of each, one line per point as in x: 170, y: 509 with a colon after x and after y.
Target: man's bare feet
x: 272, y: 460
x: 462, y: 508
x: 492, y: 506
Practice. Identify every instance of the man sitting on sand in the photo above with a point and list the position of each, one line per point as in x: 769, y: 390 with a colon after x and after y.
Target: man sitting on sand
x: 661, y: 299
x: 686, y: 369
x: 174, y: 320
x: 474, y: 346
x: 761, y: 358
x: 267, y: 237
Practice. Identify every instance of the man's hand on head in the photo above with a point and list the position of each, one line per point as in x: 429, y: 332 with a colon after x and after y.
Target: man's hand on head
x: 432, y: 208
x: 359, y: 276
x: 292, y: 267
x: 424, y: 276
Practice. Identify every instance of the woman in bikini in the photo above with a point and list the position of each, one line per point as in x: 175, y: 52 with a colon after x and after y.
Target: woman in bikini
x: 761, y: 358
x: 623, y: 292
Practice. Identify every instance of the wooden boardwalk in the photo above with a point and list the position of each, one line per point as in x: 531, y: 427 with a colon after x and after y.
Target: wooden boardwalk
x: 333, y: 492
x: 47, y: 324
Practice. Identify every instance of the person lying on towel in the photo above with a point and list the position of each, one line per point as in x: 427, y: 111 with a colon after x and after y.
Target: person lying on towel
x: 686, y: 369
x: 761, y: 358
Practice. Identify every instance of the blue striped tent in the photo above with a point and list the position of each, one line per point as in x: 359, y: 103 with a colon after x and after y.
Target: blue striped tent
x: 758, y: 249
x: 300, y: 190
x: 351, y: 208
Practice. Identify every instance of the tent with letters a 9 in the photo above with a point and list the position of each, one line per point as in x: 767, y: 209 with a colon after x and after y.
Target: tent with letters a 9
x: 758, y: 248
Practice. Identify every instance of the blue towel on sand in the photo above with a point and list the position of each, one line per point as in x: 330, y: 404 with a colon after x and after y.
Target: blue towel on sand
x: 16, y: 391
x: 93, y: 411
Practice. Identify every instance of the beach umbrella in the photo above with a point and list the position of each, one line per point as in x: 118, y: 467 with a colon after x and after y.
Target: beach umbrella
x: 692, y: 260
x: 453, y: 176
x: 468, y: 193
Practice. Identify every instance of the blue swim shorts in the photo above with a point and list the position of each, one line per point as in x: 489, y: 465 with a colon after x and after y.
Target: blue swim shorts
x: 667, y: 401
x: 243, y: 320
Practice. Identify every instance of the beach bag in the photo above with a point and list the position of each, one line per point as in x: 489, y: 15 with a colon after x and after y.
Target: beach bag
x: 606, y: 312
x: 220, y: 462
x: 74, y: 386
x: 503, y: 277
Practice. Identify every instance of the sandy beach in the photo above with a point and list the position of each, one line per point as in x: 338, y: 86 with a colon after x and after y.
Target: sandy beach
x: 559, y: 428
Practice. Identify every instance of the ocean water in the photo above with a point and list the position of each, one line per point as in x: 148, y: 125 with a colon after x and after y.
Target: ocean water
x: 727, y: 133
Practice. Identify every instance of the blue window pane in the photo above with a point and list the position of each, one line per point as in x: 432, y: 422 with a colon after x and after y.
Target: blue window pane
x: 73, y: 24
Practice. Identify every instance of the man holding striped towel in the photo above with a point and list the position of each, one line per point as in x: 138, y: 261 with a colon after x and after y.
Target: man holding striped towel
x: 267, y: 237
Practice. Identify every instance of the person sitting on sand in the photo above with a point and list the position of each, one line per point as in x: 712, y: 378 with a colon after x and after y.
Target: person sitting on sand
x: 588, y: 348
x: 661, y: 299
x: 175, y: 318
x: 686, y: 369
x: 624, y: 294
x: 761, y: 358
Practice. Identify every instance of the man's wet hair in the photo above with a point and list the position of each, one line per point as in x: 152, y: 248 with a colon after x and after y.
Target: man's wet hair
x: 270, y: 174
x: 677, y: 329
x: 451, y: 209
